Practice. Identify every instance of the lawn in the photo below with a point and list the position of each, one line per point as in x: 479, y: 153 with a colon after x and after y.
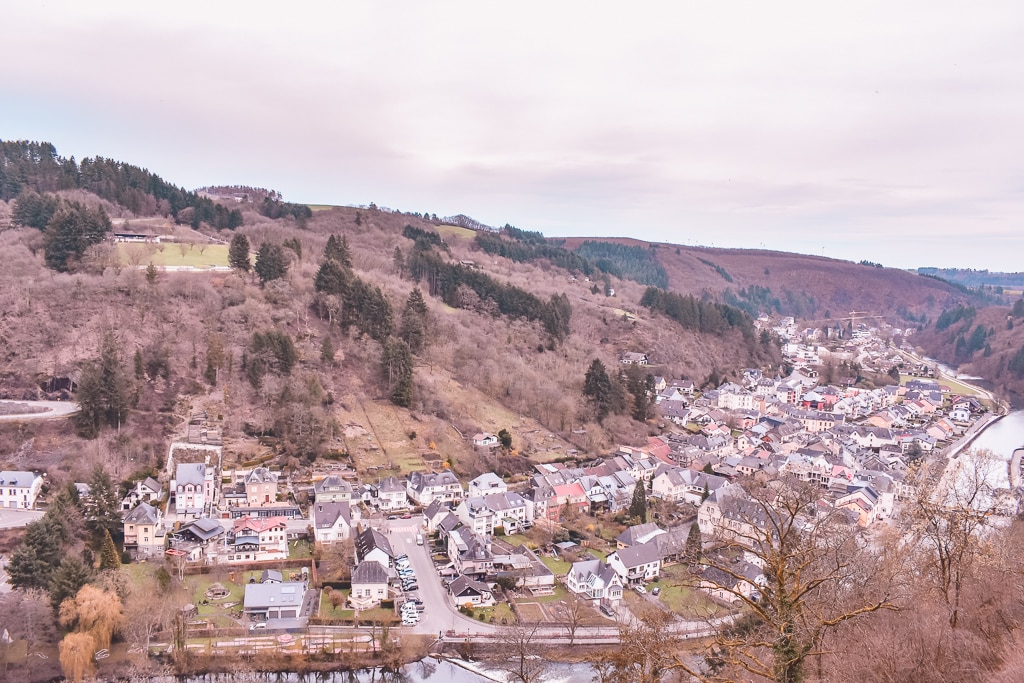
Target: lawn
x: 559, y: 566
x: 328, y: 610
x: 560, y: 594
x: 173, y: 254
x: 494, y: 615
x: 394, y: 447
x: 320, y: 207
x: 300, y: 550
x: 455, y: 231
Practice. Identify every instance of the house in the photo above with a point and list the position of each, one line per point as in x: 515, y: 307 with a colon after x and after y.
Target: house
x: 742, y: 580
x: 273, y: 601
x: 198, y: 539
x: 485, y: 440
x: 333, y: 489
x: 193, y: 488
x: 483, y: 513
x: 373, y: 546
x: 594, y: 580
x: 254, y: 539
x: 682, y: 484
x: 863, y: 502
x: 369, y: 585
x: 391, y: 495
x: 333, y: 522
x: 143, y: 531
x: 433, y: 514
x: 630, y: 358
x: 147, y: 490
x: 467, y: 591
x: 636, y: 564
x: 638, y: 534
x: 260, y: 487
x: 425, y: 487
x: 470, y: 553
x: 960, y: 413
x: 19, y: 489
x: 486, y: 483
x: 523, y: 566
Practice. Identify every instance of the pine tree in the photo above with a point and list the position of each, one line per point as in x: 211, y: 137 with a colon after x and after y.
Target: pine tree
x: 327, y: 350
x: 109, y: 557
x: 396, y: 370
x: 151, y: 273
x: 337, y: 250
x: 238, y: 253
x: 694, y: 544
x: 271, y: 262
x: 414, y: 321
x: 597, y: 388
x: 638, y: 506
x: 105, y: 390
x: 140, y: 368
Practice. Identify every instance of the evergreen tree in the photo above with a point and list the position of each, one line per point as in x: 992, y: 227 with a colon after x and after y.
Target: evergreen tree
x: 597, y: 388
x: 414, y: 321
x: 151, y: 273
x: 238, y: 253
x: 140, y: 368
x: 109, y: 557
x: 105, y: 390
x: 67, y: 580
x: 333, y: 278
x: 505, y: 438
x: 34, y: 210
x: 396, y: 370
x: 694, y: 545
x: 641, y: 385
x: 327, y: 350
x: 638, y: 506
x: 103, y: 506
x: 271, y: 262
x: 399, y: 261
x: 337, y: 250
x: 33, y: 562
x: 72, y: 229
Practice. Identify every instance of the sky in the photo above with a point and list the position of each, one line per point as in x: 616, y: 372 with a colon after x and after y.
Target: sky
x: 886, y: 131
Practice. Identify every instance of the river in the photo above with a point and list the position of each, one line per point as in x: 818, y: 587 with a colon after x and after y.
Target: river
x: 1002, y: 438
x: 428, y: 670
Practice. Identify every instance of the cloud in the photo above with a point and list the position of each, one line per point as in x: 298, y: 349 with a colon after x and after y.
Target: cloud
x: 801, y: 125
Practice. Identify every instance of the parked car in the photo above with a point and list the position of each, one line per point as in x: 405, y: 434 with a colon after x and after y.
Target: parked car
x: 640, y: 589
x: 258, y: 626
x: 607, y: 611
x: 656, y: 590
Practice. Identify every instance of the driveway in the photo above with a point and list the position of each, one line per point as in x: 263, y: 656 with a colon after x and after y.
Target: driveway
x: 13, y: 518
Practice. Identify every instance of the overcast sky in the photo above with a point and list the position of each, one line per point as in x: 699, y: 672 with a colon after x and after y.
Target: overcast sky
x: 888, y: 131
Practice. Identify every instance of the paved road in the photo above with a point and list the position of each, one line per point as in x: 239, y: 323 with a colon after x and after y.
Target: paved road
x: 11, y: 518
x: 441, y: 616
x: 50, y: 409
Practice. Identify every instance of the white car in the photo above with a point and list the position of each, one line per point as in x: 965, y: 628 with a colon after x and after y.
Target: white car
x: 640, y: 589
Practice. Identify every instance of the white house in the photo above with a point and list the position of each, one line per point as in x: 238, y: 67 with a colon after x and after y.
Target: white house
x: 426, y: 487
x: 391, y: 495
x: 19, y: 489
x: 258, y: 538
x: 682, y: 484
x: 594, y: 580
x: 486, y: 483
x: 369, y: 585
x: 636, y: 564
x: 333, y: 522
x: 193, y: 488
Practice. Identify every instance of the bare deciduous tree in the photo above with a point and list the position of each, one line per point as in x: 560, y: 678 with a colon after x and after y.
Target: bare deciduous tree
x: 818, y: 573
x: 573, y: 611
x: 952, y: 518
x: 521, y: 655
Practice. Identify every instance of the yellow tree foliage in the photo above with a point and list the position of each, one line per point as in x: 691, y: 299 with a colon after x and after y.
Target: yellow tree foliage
x: 95, y: 612
x: 76, y: 656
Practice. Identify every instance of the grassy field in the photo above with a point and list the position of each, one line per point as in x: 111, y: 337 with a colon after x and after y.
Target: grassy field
x: 455, y: 231
x: 954, y: 386
x: 385, y: 423
x: 320, y: 207
x: 170, y: 254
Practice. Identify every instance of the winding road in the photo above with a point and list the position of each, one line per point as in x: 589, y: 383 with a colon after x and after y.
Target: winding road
x: 45, y: 410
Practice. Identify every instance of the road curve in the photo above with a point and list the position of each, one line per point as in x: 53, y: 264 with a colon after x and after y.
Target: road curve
x: 46, y: 410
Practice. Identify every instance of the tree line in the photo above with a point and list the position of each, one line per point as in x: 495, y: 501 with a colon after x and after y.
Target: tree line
x: 707, y: 317
x: 36, y: 167
x: 525, y: 247
x: 445, y: 280
x: 626, y: 262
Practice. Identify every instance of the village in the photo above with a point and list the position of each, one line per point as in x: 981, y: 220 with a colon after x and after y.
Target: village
x: 579, y: 544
